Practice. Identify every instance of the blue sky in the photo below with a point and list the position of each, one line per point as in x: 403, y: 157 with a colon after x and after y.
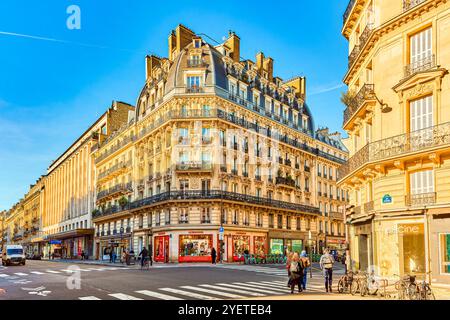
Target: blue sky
x: 51, y: 91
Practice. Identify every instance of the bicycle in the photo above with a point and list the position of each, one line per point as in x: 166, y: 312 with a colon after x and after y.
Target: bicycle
x: 406, y: 287
x: 345, y: 282
x: 424, y: 291
x: 358, y: 279
x: 145, y: 264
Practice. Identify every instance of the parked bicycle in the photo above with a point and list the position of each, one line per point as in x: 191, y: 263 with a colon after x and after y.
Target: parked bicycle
x: 345, y: 283
x: 406, y: 287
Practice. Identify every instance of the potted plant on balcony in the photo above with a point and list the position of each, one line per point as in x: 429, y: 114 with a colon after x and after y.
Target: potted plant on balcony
x: 123, y: 201
x: 95, y: 212
x: 347, y: 97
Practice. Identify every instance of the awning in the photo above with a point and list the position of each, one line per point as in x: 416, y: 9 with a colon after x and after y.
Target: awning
x: 72, y: 234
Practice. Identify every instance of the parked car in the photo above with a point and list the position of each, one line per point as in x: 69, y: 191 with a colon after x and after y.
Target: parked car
x: 13, y: 254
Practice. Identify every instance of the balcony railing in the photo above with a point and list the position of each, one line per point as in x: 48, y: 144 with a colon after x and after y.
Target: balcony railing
x: 353, y: 55
x: 115, y: 147
x: 209, y: 195
x: 285, y: 181
x: 121, y: 188
x: 365, y: 93
x: 420, y: 140
x: 193, y: 166
x: 194, y: 89
x: 421, y: 65
x: 421, y: 199
x: 114, y: 168
x: 368, y: 206
x: 409, y: 4
x: 336, y: 215
x: 195, y: 63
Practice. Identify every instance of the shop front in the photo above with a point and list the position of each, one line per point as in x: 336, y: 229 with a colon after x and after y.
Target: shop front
x: 117, y: 243
x: 161, y: 248
x: 71, y: 244
x: 283, y: 242
x: 238, y: 243
x: 362, y: 245
x: 195, y: 247
x: 336, y: 243
x: 440, y: 246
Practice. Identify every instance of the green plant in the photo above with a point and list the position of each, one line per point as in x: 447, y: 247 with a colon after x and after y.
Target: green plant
x: 347, y: 97
x: 123, y: 202
x: 95, y: 212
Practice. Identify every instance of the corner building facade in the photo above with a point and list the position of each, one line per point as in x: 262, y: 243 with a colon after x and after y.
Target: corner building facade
x: 215, y: 143
x: 398, y: 122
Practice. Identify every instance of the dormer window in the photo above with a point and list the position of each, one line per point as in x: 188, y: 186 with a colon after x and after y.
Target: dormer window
x: 197, y: 43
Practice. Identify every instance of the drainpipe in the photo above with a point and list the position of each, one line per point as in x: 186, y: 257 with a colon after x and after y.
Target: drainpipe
x: 428, y: 276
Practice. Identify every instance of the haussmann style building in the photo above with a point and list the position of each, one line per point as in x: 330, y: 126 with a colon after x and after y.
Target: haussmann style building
x: 218, y: 153
x: 398, y: 121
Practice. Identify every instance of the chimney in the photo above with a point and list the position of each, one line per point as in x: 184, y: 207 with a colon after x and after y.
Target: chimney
x: 268, y: 67
x: 151, y: 62
x: 172, y: 45
x: 233, y: 42
x: 259, y: 61
x: 178, y: 39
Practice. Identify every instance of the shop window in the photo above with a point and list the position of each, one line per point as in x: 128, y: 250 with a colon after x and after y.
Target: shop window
x: 241, y: 245
x: 444, y: 245
x: 194, y: 246
x: 259, y: 245
x: 412, y: 248
x: 276, y: 246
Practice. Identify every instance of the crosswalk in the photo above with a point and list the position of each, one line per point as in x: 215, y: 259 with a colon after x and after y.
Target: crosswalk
x: 281, y: 272
x: 8, y: 274
x: 211, y: 291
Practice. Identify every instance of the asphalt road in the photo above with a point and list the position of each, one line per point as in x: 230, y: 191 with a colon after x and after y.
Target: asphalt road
x: 55, y: 280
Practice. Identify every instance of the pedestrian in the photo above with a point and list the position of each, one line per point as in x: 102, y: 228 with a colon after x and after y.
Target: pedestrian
x: 344, y: 261
x: 114, y: 256
x: 288, y: 266
x: 296, y: 272
x: 123, y: 257
x: 144, y: 255
x: 110, y: 255
x: 326, y: 264
x: 306, y: 264
x: 213, y: 256
x: 82, y: 254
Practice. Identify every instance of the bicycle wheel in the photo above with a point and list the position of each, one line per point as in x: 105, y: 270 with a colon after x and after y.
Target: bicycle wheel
x: 354, y: 287
x: 341, y: 285
x: 412, y: 292
x: 363, y: 289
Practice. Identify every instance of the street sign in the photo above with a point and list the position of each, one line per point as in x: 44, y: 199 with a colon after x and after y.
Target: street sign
x: 387, y: 199
x: 221, y: 229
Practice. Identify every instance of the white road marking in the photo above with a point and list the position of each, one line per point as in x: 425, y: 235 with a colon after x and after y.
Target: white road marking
x: 4, y: 275
x: 158, y: 295
x: 52, y: 271
x: 36, y: 272
x: 255, y: 294
x: 220, y: 293
x: 259, y: 285
x: 89, y: 298
x: 20, y: 273
x: 241, y: 287
x: 268, y: 284
x: 123, y: 296
x: 189, y: 294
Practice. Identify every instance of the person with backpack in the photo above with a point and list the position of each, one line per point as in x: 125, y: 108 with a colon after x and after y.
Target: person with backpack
x: 306, y: 264
x: 296, y: 272
x: 326, y: 264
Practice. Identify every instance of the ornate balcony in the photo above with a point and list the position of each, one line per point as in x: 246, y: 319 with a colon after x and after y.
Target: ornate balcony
x: 285, y: 181
x: 194, y: 89
x: 196, y: 63
x: 115, y: 147
x: 366, y: 93
x: 398, y: 146
x: 336, y: 215
x: 368, y: 206
x: 121, y: 188
x: 194, y: 166
x: 420, y: 199
x: 409, y: 4
x: 353, y: 55
x: 421, y: 65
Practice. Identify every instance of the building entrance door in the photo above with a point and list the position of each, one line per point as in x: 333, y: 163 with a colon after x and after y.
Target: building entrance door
x: 161, y: 248
x: 363, y: 252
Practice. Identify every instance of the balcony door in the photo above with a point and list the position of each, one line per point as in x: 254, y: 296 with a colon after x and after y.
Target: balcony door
x: 420, y: 49
x: 421, y: 118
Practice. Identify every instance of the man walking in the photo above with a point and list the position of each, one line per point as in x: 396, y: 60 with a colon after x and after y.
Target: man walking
x: 306, y: 264
x: 326, y: 264
x: 213, y: 256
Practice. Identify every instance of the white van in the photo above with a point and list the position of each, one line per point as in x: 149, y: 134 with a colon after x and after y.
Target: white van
x: 13, y: 254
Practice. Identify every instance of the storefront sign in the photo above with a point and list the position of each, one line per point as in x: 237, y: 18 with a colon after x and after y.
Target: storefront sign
x: 386, y: 199
x: 55, y: 242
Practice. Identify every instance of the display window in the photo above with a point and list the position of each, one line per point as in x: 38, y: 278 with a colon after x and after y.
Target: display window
x: 161, y: 250
x: 240, y: 245
x: 259, y: 245
x: 412, y: 240
x: 195, y: 248
x: 445, y: 252
x: 276, y: 246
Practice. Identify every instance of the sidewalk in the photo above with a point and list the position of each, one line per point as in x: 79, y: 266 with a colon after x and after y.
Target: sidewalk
x: 88, y: 262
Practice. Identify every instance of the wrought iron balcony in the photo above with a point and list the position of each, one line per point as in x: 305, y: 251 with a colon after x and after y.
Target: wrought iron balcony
x: 194, y: 89
x: 121, y: 188
x: 307, y: 169
x: 368, y: 206
x: 336, y: 215
x: 194, y: 166
x: 409, y: 4
x: 257, y: 177
x: 199, y: 63
x: 364, y: 94
x: 223, y: 168
x: 421, y: 199
x: 115, y: 168
x: 287, y: 162
x: 365, y: 35
x: 397, y: 146
x: 285, y: 181
x: 115, y: 147
x: 353, y: 55
x: 421, y: 65
x: 234, y: 172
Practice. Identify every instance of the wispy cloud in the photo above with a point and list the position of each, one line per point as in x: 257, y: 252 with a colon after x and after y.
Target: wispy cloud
x: 29, y: 36
x: 329, y: 88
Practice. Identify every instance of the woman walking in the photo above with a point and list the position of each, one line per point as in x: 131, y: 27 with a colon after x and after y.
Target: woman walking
x: 306, y: 264
x: 296, y: 272
x: 288, y: 266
